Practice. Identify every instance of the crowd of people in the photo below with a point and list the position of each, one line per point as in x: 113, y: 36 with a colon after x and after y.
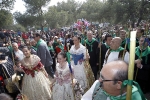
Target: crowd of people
x: 73, y: 64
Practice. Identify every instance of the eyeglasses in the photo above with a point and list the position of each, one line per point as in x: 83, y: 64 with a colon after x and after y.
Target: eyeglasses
x: 104, y: 80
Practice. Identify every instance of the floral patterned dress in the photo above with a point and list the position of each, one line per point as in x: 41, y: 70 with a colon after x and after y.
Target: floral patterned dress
x: 35, y: 85
x: 62, y: 88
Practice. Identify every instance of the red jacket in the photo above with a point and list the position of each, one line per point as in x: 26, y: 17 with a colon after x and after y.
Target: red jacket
x: 24, y: 36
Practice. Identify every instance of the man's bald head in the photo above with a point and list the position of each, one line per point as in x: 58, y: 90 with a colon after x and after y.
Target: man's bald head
x: 118, y: 40
x: 115, y: 43
x: 119, y: 69
x: 116, y: 72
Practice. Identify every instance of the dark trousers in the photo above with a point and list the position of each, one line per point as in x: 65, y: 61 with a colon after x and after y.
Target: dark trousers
x: 54, y: 64
x: 95, y: 70
x: 144, y: 85
x: 50, y: 71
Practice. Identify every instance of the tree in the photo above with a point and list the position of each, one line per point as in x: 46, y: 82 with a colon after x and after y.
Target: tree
x: 25, y: 19
x: 34, y: 8
x: 7, y: 4
x: 92, y: 8
x: 17, y: 27
x: 71, y: 7
x: 66, y: 13
x: 130, y: 10
x: 51, y: 17
x: 6, y: 18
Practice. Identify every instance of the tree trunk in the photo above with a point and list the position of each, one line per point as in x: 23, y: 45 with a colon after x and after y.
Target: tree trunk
x: 42, y: 27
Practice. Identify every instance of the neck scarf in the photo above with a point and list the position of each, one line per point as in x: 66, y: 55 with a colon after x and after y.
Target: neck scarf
x: 34, y: 48
x: 61, y: 47
x: 90, y: 43
x: 51, y: 48
x: 107, y: 46
x: 144, y: 54
x: 39, y: 42
x: 118, y: 50
x: 123, y: 42
x: 136, y: 92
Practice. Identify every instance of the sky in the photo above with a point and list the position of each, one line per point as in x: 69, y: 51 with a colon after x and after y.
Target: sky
x: 19, y: 5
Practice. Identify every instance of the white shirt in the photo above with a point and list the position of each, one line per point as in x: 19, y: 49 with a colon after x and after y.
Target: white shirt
x: 19, y: 54
x: 114, y: 56
x: 88, y: 94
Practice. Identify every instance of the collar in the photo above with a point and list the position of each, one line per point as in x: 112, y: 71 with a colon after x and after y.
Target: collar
x: 107, y: 46
x: 118, y: 50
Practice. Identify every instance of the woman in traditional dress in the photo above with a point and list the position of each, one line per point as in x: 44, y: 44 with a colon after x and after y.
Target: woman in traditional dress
x: 63, y: 89
x: 35, y: 85
x: 78, y: 57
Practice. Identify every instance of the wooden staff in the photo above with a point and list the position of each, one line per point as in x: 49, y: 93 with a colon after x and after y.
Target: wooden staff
x: 71, y: 71
x: 12, y: 52
x: 147, y: 26
x: 85, y: 68
x: 100, y: 52
x: 131, y: 63
x: 88, y: 70
x: 24, y: 97
x: 126, y: 43
x: 138, y: 68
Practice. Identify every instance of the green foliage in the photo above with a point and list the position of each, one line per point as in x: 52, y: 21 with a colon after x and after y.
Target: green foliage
x: 25, y: 19
x: 6, y: 18
x: 7, y: 4
x: 51, y: 17
x: 17, y: 27
x: 35, y: 11
x: 66, y: 13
